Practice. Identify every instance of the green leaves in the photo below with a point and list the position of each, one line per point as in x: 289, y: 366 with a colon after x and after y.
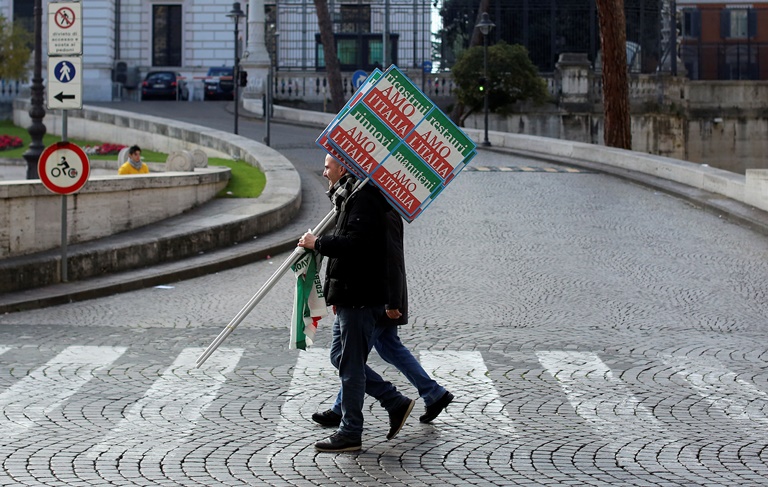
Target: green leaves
x: 511, y: 77
x: 15, y: 50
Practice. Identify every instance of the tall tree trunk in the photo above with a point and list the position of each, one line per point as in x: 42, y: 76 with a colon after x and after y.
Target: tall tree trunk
x: 457, y: 114
x: 613, y: 39
x: 332, y: 67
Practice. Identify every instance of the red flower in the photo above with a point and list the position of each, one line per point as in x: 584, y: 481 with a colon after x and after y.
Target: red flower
x: 106, y: 149
x: 9, y: 142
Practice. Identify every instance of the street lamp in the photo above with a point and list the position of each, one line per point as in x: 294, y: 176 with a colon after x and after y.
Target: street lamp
x: 485, y: 25
x: 36, y: 111
x: 236, y: 14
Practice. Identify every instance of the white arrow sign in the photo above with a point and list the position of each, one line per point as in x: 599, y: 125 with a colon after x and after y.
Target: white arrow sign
x: 65, y: 85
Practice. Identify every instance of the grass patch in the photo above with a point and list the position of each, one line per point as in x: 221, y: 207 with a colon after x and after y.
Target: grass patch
x: 246, y: 181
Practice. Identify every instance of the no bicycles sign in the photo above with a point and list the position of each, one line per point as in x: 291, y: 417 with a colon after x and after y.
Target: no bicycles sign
x: 63, y: 168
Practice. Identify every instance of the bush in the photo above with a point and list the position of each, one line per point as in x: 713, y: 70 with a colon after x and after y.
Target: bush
x: 511, y: 77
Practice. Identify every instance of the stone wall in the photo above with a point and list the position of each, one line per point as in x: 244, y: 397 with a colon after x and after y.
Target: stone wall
x: 30, y: 215
x: 720, y: 123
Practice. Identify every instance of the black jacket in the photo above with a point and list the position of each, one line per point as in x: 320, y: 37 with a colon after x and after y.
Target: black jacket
x: 397, y: 286
x: 356, y: 274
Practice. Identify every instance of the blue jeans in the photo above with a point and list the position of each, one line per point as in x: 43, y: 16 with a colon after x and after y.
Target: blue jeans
x: 354, y: 333
x: 392, y: 350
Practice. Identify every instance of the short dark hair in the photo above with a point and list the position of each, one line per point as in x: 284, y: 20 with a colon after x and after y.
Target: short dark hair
x: 134, y: 149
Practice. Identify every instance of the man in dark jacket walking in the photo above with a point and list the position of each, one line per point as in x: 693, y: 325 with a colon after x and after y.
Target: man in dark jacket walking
x: 356, y: 287
x: 388, y: 344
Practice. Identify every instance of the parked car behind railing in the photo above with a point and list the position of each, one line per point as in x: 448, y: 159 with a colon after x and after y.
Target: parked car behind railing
x: 219, y: 83
x: 168, y: 85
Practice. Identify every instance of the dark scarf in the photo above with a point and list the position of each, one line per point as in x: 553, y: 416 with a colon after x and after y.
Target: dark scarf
x: 340, y: 191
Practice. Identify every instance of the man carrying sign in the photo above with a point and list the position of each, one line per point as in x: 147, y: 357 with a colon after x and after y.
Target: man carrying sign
x: 388, y: 344
x: 356, y: 286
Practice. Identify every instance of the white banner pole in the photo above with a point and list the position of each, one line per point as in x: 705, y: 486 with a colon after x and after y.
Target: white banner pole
x: 265, y: 288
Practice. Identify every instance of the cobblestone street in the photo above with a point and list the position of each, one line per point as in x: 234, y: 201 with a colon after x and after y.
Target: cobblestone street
x: 593, y: 331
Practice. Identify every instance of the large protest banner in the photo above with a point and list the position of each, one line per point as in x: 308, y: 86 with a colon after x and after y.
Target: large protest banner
x: 394, y: 134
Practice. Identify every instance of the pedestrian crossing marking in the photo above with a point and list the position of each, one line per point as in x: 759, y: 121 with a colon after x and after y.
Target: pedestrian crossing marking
x: 168, y: 411
x: 548, y: 169
x: 27, y: 402
x: 736, y: 398
x: 159, y: 422
x: 604, y: 402
x: 595, y: 394
x: 476, y: 398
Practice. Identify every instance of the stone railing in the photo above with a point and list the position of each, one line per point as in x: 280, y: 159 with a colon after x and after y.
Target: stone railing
x: 111, y: 203
x: 106, y: 205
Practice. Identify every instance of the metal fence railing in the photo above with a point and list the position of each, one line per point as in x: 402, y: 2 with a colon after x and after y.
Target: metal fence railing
x: 548, y: 28
x: 10, y: 89
x: 725, y: 60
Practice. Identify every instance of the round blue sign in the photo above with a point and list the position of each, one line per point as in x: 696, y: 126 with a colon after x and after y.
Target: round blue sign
x: 64, y: 71
x: 358, y: 78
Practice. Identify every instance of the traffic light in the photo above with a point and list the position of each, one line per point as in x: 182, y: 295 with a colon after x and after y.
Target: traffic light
x: 243, y: 81
x: 481, y: 84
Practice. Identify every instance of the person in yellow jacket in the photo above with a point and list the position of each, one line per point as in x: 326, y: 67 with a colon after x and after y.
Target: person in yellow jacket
x: 133, y: 165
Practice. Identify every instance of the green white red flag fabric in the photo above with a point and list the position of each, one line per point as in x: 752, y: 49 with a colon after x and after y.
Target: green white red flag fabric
x: 308, y: 302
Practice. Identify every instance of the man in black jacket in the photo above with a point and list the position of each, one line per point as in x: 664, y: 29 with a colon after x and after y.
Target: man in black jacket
x: 388, y: 344
x: 356, y: 287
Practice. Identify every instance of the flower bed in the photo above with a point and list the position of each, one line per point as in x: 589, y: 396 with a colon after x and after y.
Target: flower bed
x: 104, y: 149
x: 9, y: 142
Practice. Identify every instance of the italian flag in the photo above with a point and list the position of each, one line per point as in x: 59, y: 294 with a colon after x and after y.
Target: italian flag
x: 308, y: 301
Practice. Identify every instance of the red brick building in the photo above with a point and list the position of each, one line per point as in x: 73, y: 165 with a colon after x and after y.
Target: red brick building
x: 723, y: 39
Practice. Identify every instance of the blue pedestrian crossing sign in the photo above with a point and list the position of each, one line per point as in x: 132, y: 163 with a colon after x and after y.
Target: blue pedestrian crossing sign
x: 65, y: 83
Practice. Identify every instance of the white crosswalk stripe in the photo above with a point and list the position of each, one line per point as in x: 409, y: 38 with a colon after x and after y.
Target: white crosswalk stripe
x: 595, y: 394
x: 160, y: 420
x: 602, y: 400
x: 314, y: 385
x: 738, y: 399
x: 476, y: 399
x: 28, y: 401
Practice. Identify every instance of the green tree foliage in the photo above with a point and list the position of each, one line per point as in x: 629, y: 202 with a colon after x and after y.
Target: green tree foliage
x: 14, y: 50
x: 511, y: 77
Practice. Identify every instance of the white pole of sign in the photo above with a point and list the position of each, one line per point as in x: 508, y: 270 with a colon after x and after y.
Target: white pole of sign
x: 321, y: 228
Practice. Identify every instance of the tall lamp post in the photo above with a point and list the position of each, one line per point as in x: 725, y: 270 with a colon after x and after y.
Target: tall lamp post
x: 485, y: 25
x: 36, y: 111
x: 236, y: 14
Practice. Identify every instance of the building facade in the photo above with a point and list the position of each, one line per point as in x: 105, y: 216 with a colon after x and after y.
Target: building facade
x: 124, y: 39
x: 725, y: 40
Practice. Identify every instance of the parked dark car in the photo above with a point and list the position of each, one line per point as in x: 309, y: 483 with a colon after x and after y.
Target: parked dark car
x: 219, y: 84
x: 164, y: 85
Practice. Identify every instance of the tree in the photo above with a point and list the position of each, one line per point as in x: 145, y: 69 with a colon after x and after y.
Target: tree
x: 613, y: 39
x: 15, y: 50
x: 332, y: 66
x: 511, y: 77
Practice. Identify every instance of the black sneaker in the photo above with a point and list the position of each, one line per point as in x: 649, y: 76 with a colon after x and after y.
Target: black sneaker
x: 327, y: 418
x: 436, y: 408
x: 338, y: 443
x: 397, y: 418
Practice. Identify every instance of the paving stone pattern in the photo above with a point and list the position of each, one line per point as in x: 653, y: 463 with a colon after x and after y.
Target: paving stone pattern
x: 594, y: 332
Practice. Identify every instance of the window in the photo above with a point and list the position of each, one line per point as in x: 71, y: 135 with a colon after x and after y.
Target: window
x: 691, y: 23
x: 738, y: 23
x: 24, y: 12
x: 355, y: 19
x: 357, y: 51
x: 166, y: 35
